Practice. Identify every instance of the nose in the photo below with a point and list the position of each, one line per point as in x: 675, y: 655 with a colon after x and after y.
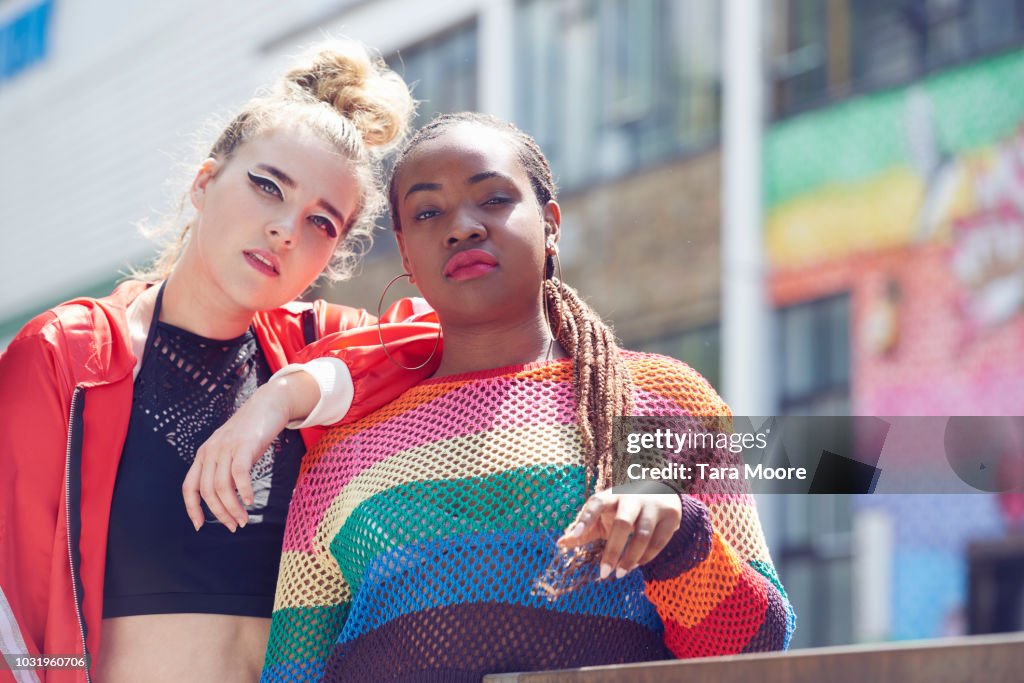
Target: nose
x: 283, y: 232
x: 465, y: 227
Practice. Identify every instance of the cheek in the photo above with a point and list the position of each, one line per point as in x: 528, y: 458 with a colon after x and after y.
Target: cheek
x: 414, y: 255
x: 531, y: 253
x: 224, y: 222
x: 324, y: 254
x: 528, y: 231
x: 315, y: 256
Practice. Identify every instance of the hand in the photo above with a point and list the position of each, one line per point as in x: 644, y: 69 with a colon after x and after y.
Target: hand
x: 222, y: 469
x: 636, y: 526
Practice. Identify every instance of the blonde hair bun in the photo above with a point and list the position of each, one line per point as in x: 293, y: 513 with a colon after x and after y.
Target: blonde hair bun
x: 360, y: 86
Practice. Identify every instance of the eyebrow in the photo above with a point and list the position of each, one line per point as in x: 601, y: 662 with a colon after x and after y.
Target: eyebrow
x: 287, y: 181
x: 422, y: 187
x: 473, y: 180
x: 487, y: 175
x: 279, y: 174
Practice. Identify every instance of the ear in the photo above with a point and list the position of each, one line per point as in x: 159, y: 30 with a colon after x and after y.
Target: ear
x: 205, y: 173
x: 552, y: 215
x: 405, y: 259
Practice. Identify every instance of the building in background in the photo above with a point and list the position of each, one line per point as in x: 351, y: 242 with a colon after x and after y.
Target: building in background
x: 893, y: 158
x: 894, y: 211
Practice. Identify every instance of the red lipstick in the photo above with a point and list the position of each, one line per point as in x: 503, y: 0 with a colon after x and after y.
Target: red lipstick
x: 263, y: 261
x: 469, y: 264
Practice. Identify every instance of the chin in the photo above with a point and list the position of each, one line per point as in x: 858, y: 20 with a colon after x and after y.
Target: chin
x: 473, y: 310
x: 254, y: 300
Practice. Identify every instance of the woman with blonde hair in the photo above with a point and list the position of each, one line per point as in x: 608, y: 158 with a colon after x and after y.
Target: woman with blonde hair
x: 107, y: 400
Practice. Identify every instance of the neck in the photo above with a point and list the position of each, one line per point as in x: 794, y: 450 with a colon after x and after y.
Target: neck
x: 192, y: 305
x: 496, y: 344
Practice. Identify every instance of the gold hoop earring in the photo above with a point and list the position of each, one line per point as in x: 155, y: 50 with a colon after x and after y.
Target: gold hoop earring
x: 380, y: 332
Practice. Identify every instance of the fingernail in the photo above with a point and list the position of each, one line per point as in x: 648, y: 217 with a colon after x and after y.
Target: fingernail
x: 196, y: 524
x: 620, y: 572
x: 606, y: 570
x: 243, y: 522
x: 233, y: 528
x: 577, y: 530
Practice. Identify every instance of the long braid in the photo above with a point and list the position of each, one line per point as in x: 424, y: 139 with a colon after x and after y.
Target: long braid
x: 601, y: 379
x: 603, y: 390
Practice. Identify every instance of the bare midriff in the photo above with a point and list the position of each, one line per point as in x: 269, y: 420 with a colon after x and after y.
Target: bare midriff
x: 200, y: 648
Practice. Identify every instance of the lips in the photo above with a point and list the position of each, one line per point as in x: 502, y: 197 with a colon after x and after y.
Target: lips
x: 263, y: 261
x: 469, y: 264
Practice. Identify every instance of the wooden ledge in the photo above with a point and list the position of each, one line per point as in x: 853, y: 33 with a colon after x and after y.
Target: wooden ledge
x: 986, y: 659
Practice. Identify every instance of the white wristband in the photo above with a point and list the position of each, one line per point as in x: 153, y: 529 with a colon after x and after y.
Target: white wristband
x: 336, y: 390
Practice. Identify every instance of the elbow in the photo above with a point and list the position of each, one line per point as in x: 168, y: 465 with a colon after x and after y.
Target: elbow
x: 778, y: 625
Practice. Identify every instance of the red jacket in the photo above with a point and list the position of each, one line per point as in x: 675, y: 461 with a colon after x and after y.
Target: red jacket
x: 65, y: 400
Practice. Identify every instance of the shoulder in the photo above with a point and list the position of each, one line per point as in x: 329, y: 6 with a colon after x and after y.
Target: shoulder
x: 659, y: 379
x: 39, y: 353
x: 37, y: 346
x: 285, y: 331
x: 328, y: 317
x: 53, y: 327
x: 87, y: 336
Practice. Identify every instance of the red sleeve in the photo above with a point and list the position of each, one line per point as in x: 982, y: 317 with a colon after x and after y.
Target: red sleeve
x: 710, y: 600
x: 35, y: 395
x: 337, y: 318
x: 410, y: 330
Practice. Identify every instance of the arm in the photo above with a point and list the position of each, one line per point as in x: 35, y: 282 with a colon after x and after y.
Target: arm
x: 370, y: 376
x: 714, y: 585
x: 713, y: 600
x: 348, y: 376
x: 221, y: 470
x: 33, y: 431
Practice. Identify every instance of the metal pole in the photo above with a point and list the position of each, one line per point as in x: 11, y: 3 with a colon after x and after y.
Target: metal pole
x: 747, y: 339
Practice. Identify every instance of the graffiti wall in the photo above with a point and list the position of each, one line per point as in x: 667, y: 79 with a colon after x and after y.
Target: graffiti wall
x: 912, y: 201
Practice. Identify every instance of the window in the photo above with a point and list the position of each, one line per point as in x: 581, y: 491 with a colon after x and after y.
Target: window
x: 814, y: 372
x: 814, y: 552
x: 825, y: 50
x: 609, y: 87
x: 24, y: 40
x: 442, y: 72
x: 996, y: 23
x: 801, y: 73
x: 700, y: 348
x: 627, y: 64
x: 814, y: 558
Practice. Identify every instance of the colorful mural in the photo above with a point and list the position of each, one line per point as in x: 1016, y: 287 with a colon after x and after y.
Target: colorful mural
x: 887, y: 169
x: 913, y: 202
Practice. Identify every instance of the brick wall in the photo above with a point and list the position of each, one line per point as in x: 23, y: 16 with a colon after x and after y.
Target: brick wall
x: 939, y: 364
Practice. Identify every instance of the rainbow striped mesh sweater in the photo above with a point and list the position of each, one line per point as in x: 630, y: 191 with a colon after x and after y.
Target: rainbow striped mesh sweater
x: 417, y: 536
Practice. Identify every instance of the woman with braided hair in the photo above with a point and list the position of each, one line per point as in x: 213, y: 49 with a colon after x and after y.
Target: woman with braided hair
x: 470, y: 526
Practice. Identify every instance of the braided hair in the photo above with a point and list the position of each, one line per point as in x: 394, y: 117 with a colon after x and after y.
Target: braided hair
x: 602, y: 384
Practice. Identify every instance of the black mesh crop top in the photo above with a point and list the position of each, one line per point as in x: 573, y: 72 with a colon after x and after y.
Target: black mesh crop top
x: 156, y: 562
